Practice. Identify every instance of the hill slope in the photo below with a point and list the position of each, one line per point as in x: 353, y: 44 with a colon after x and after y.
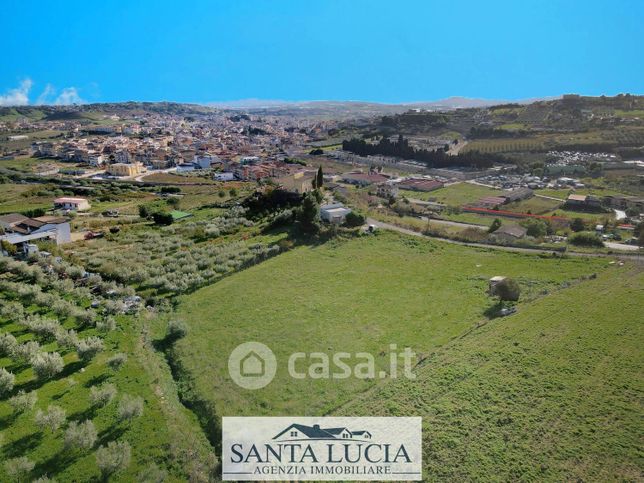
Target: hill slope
x: 552, y: 393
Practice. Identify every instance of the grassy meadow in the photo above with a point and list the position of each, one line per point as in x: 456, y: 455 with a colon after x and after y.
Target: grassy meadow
x: 552, y: 393
x: 456, y: 194
x: 358, y: 295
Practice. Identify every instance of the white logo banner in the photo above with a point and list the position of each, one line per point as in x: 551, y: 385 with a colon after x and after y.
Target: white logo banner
x: 324, y: 448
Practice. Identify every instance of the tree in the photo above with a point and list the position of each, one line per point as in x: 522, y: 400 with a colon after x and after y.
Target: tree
x: 51, y: 419
x: 130, y: 407
x: 232, y: 192
x: 507, y: 290
x: 19, y: 468
x: 117, y: 361
x: 319, y: 178
x: 101, y: 396
x: 308, y: 214
x: 152, y: 474
x: 113, y: 458
x: 88, y: 348
x: 577, y: 225
x: 7, y: 380
x: 496, y: 224
x: 177, y: 329
x: 9, y: 248
x: 80, y: 435
x: 23, y: 401
x: 354, y: 219
x: 640, y: 239
x: 536, y: 228
x: 585, y: 239
x: 162, y: 218
x: 47, y: 364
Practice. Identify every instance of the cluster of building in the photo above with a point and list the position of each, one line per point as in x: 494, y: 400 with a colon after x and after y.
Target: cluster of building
x: 163, y: 140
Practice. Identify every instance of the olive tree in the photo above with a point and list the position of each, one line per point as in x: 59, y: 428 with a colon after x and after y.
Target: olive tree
x: 23, y: 401
x: 19, y: 468
x: 51, y: 419
x: 88, y: 348
x: 117, y: 361
x: 102, y: 396
x: 47, y: 364
x: 7, y: 380
x: 130, y: 407
x: 113, y: 458
x: 80, y: 435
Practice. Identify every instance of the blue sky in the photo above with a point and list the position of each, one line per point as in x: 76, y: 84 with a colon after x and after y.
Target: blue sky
x: 388, y: 51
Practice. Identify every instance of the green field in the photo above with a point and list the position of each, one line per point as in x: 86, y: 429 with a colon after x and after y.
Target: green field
x: 552, y: 393
x: 535, y: 205
x: 358, y: 295
x: 454, y: 195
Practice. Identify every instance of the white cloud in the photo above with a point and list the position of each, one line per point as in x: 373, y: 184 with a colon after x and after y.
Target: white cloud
x: 46, y: 95
x: 69, y: 95
x: 18, y: 96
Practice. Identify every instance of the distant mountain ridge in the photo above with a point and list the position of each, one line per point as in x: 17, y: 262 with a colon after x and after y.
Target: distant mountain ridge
x: 453, y: 102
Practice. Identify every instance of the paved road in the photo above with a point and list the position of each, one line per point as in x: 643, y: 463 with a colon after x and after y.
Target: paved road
x: 388, y: 226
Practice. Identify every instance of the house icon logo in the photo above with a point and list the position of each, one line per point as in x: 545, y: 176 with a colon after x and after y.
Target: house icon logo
x: 252, y: 365
x: 301, y: 432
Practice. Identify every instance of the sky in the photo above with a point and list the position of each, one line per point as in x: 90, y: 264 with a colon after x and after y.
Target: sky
x: 62, y: 52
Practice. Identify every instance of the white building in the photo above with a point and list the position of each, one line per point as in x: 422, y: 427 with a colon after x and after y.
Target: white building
x: 225, y: 176
x: 76, y: 204
x: 334, y: 213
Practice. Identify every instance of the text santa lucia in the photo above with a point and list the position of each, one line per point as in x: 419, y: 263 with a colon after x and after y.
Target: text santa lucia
x: 332, y: 453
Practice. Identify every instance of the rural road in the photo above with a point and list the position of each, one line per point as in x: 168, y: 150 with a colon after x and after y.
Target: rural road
x: 454, y: 223
x: 549, y: 198
x: 388, y: 226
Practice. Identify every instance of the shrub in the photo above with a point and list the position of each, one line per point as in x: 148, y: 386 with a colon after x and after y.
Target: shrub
x: 177, y: 329
x: 496, y: 224
x: 23, y: 401
x: 161, y: 218
x: 47, y: 364
x: 113, y: 458
x: 130, y: 407
x: 102, y: 396
x: 585, y: 239
x: 577, y: 225
x: 88, y: 348
x: 354, y: 219
x: 44, y: 479
x: 19, y: 468
x: 7, y: 380
x: 117, y: 361
x: 152, y: 474
x: 80, y: 435
x: 507, y: 289
x: 106, y: 325
x: 52, y: 419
